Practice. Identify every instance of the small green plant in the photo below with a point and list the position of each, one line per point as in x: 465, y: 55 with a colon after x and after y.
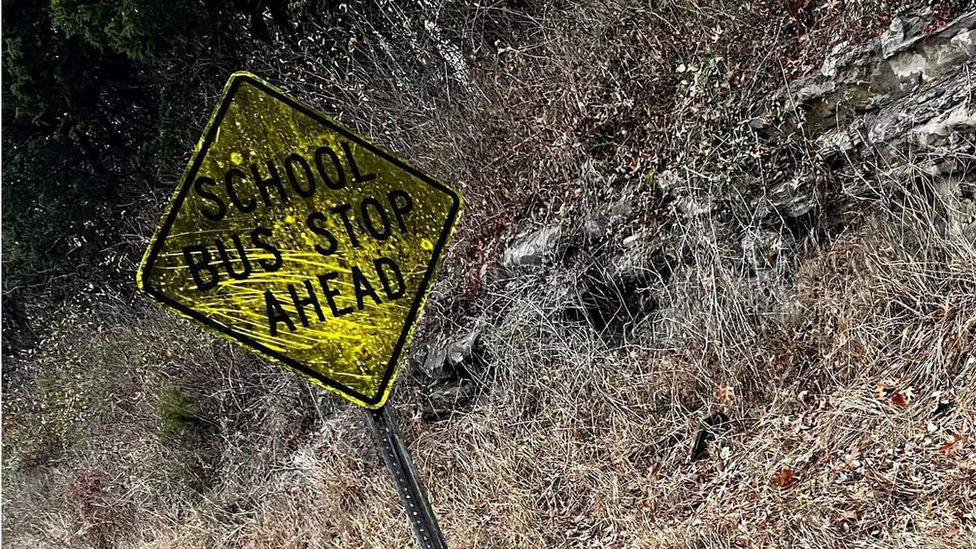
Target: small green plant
x: 179, y: 417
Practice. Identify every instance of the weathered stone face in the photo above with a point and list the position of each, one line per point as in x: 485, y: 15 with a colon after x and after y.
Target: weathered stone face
x: 904, y: 89
x: 531, y: 249
x: 890, y: 111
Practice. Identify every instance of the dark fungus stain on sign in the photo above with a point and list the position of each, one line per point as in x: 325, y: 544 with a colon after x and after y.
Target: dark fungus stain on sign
x: 302, y: 241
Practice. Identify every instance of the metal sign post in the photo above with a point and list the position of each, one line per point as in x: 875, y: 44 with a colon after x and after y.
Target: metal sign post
x: 410, y: 487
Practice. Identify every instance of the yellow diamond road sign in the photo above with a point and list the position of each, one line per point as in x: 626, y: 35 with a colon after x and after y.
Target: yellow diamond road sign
x: 302, y: 241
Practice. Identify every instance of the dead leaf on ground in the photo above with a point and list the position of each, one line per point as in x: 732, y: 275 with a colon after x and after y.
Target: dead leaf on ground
x: 900, y: 400
x: 724, y: 393
x: 742, y: 541
x: 784, y: 478
x: 950, y: 448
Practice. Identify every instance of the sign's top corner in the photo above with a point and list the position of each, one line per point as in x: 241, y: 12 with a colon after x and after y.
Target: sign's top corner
x: 244, y: 75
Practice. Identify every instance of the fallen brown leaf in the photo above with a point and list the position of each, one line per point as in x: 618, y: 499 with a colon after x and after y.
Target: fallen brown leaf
x: 900, y: 400
x: 950, y: 448
x: 742, y: 541
x: 784, y: 478
x: 724, y: 393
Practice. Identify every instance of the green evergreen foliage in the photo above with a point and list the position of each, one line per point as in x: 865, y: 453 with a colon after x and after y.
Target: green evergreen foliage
x: 98, y: 96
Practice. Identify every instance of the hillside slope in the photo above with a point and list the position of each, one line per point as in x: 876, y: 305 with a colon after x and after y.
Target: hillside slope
x: 715, y: 287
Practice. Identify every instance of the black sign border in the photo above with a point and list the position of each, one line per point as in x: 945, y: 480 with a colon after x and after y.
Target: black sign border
x: 236, y: 81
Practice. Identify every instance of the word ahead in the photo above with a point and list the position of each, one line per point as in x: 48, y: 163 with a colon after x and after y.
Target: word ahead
x: 300, y: 240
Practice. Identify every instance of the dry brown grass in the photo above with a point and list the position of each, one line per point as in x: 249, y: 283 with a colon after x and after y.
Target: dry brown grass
x: 577, y: 442
x: 830, y: 363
